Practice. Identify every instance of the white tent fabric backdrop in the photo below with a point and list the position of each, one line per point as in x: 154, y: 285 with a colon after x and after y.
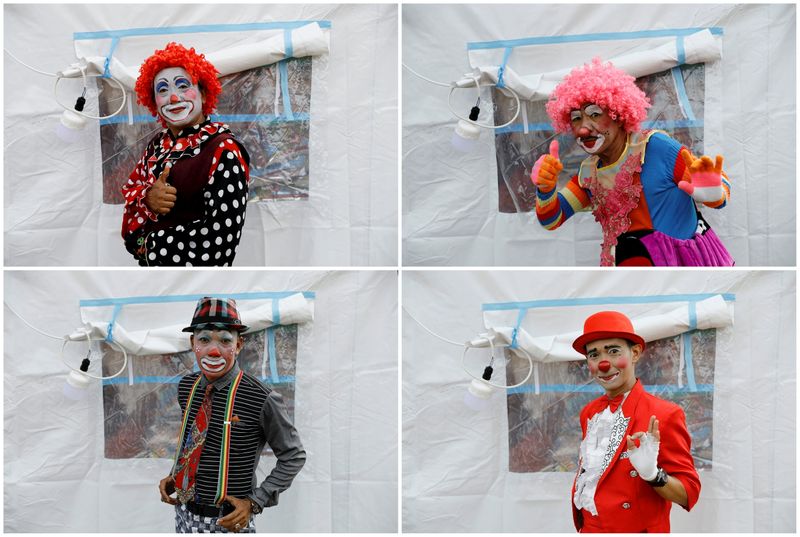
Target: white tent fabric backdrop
x: 54, y: 214
x: 450, y: 199
x: 456, y: 474
x: 345, y: 402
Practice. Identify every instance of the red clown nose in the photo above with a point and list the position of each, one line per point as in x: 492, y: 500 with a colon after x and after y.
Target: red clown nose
x: 604, y: 366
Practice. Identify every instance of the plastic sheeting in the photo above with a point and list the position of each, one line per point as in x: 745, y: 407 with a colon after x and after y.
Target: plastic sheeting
x: 451, y: 200
x: 70, y: 467
x: 510, y: 467
x: 344, y: 158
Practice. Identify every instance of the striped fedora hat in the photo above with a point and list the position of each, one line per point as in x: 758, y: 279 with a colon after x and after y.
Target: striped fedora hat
x: 216, y: 313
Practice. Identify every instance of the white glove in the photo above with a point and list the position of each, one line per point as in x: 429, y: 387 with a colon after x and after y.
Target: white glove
x: 645, y: 458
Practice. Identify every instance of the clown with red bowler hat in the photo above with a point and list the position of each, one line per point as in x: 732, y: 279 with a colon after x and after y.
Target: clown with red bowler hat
x: 635, y: 459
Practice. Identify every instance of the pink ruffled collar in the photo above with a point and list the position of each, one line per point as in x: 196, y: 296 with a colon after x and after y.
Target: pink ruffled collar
x: 615, y: 192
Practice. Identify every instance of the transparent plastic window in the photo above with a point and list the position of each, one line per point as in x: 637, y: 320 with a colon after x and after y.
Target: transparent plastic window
x: 278, y: 145
x: 517, y: 151
x: 544, y: 429
x: 142, y: 420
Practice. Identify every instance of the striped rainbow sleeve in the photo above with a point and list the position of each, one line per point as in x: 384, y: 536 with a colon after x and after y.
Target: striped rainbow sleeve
x: 554, y: 208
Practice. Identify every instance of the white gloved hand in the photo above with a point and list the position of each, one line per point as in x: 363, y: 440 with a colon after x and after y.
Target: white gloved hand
x: 645, y: 458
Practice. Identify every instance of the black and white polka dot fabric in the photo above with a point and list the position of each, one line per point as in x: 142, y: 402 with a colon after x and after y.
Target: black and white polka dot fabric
x: 211, y: 240
x: 188, y: 522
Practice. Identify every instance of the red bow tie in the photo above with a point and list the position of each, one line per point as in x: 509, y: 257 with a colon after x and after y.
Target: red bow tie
x: 614, y: 402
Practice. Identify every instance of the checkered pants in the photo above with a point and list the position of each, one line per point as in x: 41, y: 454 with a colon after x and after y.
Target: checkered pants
x: 188, y: 522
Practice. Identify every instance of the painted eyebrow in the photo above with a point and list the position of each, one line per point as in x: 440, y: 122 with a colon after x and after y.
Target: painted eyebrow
x: 607, y: 347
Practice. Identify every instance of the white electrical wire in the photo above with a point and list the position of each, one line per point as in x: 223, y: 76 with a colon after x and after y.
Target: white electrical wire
x: 88, y: 339
x: 28, y: 66
x: 117, y: 82
x: 453, y: 87
x: 67, y: 340
x: 489, y: 338
x: 468, y: 345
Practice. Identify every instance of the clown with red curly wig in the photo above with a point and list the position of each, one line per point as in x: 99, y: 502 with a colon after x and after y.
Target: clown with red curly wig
x: 185, y: 202
x: 642, y: 186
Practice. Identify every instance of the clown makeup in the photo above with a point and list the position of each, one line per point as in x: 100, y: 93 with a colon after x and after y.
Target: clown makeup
x: 594, y: 129
x: 610, y: 364
x: 178, y: 99
x: 215, y: 351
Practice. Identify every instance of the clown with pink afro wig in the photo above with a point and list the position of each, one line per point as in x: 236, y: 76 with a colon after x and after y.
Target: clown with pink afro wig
x: 173, y: 215
x: 641, y: 186
x: 604, y: 85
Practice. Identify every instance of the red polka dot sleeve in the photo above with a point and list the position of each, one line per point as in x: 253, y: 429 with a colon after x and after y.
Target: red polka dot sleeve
x: 211, y: 240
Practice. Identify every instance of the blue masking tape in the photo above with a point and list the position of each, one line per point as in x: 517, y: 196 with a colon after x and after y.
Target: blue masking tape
x: 661, y: 125
x: 594, y: 388
x: 276, y: 311
x: 114, y: 315
x: 687, y: 357
x: 99, y: 302
x: 222, y: 118
x: 681, y: 50
x: 273, y: 358
x: 177, y: 379
x: 114, y: 43
x: 166, y: 30
x: 502, y: 69
x: 683, y: 97
x: 606, y: 36
x: 692, y: 315
x: 287, y: 103
x: 520, y: 317
x: 596, y: 301
x: 287, y: 43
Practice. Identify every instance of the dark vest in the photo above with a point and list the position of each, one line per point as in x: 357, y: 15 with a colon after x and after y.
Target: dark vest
x: 189, y: 176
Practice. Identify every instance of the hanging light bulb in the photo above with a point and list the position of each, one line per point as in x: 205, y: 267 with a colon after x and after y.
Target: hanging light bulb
x: 77, y: 384
x: 70, y: 128
x: 480, y: 391
x: 467, y: 133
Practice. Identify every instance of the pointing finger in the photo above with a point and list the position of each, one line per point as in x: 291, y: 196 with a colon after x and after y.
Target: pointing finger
x: 631, y: 445
x: 651, y: 424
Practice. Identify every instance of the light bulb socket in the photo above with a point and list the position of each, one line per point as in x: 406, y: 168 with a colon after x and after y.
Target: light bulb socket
x: 480, y: 389
x: 467, y: 130
x: 73, y: 121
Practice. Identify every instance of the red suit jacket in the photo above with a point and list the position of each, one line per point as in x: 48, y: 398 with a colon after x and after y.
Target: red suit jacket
x: 625, y: 502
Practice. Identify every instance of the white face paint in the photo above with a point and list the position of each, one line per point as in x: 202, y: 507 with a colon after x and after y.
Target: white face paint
x: 592, y: 127
x: 178, y: 99
x: 215, y: 351
x: 592, y: 146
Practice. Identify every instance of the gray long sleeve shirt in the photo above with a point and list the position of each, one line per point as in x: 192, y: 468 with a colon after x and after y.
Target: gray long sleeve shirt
x: 259, y: 418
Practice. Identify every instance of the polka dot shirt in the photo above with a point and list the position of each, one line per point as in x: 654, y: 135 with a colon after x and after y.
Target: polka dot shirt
x: 210, y: 240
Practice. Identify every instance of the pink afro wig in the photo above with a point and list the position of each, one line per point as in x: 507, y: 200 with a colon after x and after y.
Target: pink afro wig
x: 174, y: 55
x: 610, y: 88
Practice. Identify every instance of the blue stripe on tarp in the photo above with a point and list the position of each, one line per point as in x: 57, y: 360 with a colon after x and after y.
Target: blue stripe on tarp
x: 692, y: 315
x: 273, y: 358
x: 606, y: 36
x: 683, y: 97
x: 502, y: 69
x: 276, y: 311
x: 288, y: 50
x: 520, y: 317
x: 114, y: 315
x: 661, y: 125
x: 114, y: 43
x: 99, y: 302
x: 681, y: 50
x: 595, y: 301
x: 687, y: 357
x: 594, y: 388
x: 287, y: 102
x: 222, y: 118
x: 166, y: 30
x: 176, y: 379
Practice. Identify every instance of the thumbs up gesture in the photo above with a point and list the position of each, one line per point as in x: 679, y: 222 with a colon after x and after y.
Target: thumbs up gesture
x: 161, y: 196
x: 546, y: 169
x: 706, y: 178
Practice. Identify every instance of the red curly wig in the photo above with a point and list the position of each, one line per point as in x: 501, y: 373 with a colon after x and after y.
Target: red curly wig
x: 175, y: 55
x: 610, y: 88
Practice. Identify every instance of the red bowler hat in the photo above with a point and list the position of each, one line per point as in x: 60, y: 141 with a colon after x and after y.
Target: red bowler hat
x: 606, y: 325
